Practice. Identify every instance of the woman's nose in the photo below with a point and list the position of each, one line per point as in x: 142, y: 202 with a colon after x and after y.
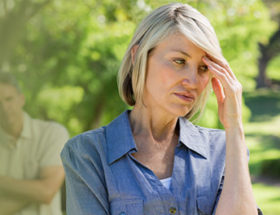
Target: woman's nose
x: 190, y: 78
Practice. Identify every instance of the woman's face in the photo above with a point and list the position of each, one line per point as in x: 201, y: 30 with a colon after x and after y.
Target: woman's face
x: 176, y: 76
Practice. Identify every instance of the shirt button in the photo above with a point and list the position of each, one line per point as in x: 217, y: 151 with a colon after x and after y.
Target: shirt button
x: 172, y: 210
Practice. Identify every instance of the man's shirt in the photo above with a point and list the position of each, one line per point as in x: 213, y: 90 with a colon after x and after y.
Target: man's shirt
x: 38, y: 146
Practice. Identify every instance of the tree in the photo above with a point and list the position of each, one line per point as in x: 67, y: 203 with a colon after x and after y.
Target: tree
x: 67, y: 52
x: 271, y: 49
x: 13, y: 19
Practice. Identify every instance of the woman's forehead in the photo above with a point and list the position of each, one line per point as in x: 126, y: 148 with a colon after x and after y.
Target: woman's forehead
x: 179, y: 43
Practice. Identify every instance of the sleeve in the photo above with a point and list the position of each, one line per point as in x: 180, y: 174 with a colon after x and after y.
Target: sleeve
x: 54, y: 138
x: 86, y: 193
x: 218, y: 194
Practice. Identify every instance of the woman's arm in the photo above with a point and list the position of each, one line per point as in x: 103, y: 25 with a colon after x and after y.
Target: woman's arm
x: 85, y: 189
x: 237, y: 195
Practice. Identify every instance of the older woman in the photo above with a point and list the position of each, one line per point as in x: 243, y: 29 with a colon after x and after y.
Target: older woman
x: 152, y: 160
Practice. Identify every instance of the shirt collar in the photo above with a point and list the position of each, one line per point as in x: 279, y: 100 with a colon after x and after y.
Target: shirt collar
x: 194, y: 138
x: 120, y: 139
x: 26, y: 132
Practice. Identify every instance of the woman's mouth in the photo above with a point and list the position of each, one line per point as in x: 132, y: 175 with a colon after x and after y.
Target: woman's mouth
x: 185, y: 97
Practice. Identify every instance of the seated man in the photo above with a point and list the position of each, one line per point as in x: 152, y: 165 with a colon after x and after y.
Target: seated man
x: 31, y: 172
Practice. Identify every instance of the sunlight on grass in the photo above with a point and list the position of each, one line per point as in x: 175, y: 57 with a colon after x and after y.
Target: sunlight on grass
x: 261, y: 149
x: 266, y: 127
x: 268, y: 198
x: 263, y: 140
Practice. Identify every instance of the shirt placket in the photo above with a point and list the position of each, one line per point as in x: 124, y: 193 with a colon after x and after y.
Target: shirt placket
x: 167, y: 204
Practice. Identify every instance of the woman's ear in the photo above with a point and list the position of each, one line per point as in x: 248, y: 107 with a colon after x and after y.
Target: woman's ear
x: 133, y: 53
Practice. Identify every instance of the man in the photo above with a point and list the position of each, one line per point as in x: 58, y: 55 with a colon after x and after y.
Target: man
x: 31, y: 172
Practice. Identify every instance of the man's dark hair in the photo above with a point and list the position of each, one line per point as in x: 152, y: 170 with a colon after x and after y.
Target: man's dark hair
x: 7, y: 78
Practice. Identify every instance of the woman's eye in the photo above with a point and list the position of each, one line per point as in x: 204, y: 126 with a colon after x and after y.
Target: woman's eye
x: 203, y: 68
x: 180, y: 61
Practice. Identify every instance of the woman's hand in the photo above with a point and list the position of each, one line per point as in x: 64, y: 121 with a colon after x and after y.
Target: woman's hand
x: 228, y: 91
x: 237, y: 191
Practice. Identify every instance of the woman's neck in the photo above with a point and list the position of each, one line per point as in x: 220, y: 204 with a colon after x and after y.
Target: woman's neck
x: 153, y: 124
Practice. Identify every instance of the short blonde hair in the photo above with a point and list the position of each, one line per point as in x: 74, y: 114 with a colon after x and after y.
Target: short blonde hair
x: 159, y: 24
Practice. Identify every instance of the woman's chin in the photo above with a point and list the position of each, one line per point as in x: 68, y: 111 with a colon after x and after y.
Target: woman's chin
x: 180, y: 111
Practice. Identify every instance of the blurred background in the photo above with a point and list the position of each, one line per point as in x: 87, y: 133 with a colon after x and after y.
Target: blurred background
x: 66, y: 54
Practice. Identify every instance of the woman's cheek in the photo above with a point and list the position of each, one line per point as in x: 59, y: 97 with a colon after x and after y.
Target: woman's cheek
x: 204, y: 80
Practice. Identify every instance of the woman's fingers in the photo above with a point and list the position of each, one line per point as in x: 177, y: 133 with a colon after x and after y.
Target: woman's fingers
x: 228, y: 91
x: 223, y: 64
x: 218, y: 90
x: 220, y: 75
x: 220, y: 71
x: 231, y: 85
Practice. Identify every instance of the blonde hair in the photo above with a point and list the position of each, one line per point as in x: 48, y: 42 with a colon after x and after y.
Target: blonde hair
x: 158, y: 25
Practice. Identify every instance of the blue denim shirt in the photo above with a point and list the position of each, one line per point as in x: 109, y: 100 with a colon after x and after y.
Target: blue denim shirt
x: 102, y: 177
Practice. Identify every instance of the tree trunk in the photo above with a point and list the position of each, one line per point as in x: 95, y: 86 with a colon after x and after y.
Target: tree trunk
x: 262, y: 80
x: 268, y: 52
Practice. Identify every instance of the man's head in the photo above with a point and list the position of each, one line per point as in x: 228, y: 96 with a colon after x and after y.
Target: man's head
x: 11, y: 101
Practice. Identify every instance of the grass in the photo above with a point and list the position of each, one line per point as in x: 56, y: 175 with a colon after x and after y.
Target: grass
x: 263, y: 140
x: 268, y: 198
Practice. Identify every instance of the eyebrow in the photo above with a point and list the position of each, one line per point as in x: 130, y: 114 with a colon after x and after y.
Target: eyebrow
x: 182, y: 52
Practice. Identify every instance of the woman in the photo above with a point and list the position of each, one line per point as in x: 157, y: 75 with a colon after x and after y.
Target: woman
x: 152, y: 160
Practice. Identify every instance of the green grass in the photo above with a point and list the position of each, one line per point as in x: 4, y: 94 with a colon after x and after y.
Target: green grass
x: 264, y: 105
x: 268, y: 198
x: 263, y: 140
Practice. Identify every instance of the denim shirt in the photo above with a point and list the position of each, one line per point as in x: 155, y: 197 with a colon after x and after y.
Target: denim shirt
x: 102, y: 177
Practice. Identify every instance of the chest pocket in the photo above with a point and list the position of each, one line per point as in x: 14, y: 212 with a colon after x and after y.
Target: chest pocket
x: 204, y: 206
x: 127, y: 207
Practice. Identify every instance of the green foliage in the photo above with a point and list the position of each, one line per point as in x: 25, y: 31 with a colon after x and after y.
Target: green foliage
x: 67, y: 53
x: 61, y: 100
x: 245, y: 23
x: 209, y: 118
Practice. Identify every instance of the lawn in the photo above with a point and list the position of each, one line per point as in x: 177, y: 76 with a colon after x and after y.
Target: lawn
x: 263, y: 141
x: 268, y: 198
